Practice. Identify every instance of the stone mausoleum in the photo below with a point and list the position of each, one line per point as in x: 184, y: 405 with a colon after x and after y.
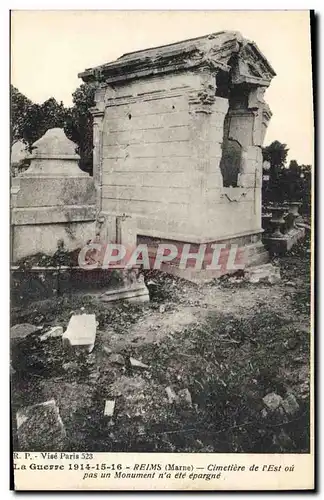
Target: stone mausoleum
x: 178, y: 134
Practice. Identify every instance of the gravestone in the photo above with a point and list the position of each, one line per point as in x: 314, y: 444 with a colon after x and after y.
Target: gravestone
x: 53, y: 200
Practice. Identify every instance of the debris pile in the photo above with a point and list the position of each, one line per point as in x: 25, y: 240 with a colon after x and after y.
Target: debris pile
x: 40, y: 427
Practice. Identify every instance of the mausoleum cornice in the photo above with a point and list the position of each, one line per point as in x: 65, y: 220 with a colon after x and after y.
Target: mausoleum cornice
x: 227, y: 51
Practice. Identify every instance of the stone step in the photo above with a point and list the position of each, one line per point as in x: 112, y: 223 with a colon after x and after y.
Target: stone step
x: 138, y: 294
x: 260, y: 258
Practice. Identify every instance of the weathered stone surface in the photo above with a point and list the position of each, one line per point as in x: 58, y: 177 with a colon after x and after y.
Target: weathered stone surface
x: 54, y: 153
x: 264, y: 413
x: 185, y: 396
x: 54, y: 332
x: 205, y: 50
x: 109, y: 408
x: 70, y: 366
x: 290, y: 404
x: 183, y: 132
x: 272, y: 401
x: 40, y: 427
x: 266, y: 273
x: 19, y: 152
x: 53, y: 190
x: 137, y: 364
x: 117, y: 359
x: 128, y: 386
x: 81, y: 332
x: 293, y: 342
x: 171, y: 394
x: 107, y: 350
x: 21, y: 331
x: 282, y: 440
x: 132, y: 289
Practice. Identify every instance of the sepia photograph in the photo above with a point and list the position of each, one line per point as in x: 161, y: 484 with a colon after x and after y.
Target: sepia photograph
x: 161, y: 226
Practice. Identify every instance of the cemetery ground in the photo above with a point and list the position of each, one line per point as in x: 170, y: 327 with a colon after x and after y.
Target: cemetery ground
x: 227, y: 366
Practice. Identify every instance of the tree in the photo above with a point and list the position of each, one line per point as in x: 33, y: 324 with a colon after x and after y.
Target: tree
x: 20, y: 109
x: 298, y: 184
x: 29, y: 121
x: 79, y: 124
x: 276, y: 154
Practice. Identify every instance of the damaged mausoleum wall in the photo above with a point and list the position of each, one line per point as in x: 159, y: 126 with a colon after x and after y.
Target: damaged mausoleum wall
x: 178, y: 134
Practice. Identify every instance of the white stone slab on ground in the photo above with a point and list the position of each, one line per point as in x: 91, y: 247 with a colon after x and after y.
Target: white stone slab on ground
x: 109, y: 408
x: 81, y: 332
x: 171, y: 394
x: 137, y: 364
x: 54, y: 332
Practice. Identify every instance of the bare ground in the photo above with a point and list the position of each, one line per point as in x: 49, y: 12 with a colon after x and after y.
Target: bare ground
x: 229, y: 343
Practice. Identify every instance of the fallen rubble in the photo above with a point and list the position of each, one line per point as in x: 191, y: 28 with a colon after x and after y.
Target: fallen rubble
x: 40, y: 427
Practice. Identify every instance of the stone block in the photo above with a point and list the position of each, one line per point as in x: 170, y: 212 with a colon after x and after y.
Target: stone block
x: 272, y: 401
x: 117, y: 359
x: 19, y: 152
x: 21, y: 331
x: 150, y: 194
x: 81, y: 332
x: 127, y: 232
x: 185, y: 397
x: 53, y: 191
x: 54, y: 154
x: 147, y: 122
x: 172, y: 397
x: 54, y: 332
x: 136, y: 152
x: 166, y: 164
x: 60, y: 215
x: 290, y: 404
x: 132, y: 288
x: 148, y: 136
x: 134, y: 296
x: 264, y: 273
x: 31, y: 239
x: 279, y: 246
x: 137, y: 364
x: 109, y: 408
x: 221, y: 105
x: 40, y: 427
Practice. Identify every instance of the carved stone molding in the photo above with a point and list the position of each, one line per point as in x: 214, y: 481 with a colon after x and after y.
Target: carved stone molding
x: 215, y: 51
x: 233, y: 194
x: 100, y: 222
x: 201, y: 101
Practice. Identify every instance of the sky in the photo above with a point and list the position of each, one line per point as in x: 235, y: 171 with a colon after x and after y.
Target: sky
x: 50, y: 48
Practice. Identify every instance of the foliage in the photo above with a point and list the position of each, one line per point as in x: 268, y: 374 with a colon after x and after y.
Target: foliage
x: 79, y: 124
x: 30, y: 121
x: 276, y: 154
x: 292, y: 183
x: 20, y: 109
